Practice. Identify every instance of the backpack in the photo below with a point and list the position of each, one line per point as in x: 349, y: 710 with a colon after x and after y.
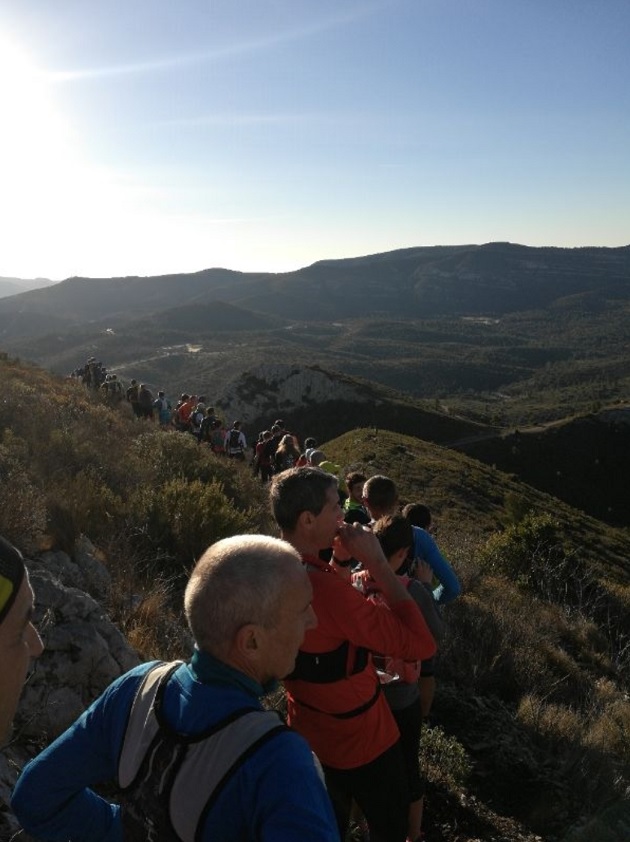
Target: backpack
x: 235, y: 436
x: 206, y: 428
x: 170, y: 781
x: 195, y: 420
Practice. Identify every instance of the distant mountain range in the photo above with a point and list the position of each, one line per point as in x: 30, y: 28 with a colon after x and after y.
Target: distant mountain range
x: 505, y: 333
x: 14, y: 286
x: 486, y: 280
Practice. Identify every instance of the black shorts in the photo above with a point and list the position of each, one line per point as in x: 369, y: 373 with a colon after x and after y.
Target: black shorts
x: 409, y: 721
x: 380, y: 790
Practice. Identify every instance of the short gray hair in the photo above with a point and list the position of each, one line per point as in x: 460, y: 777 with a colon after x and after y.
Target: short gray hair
x: 238, y: 580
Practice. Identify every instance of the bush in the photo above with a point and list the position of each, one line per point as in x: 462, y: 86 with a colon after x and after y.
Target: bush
x: 180, y: 519
x: 445, y: 759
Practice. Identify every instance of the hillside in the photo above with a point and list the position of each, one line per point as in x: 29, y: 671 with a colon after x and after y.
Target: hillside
x: 584, y: 461
x: 530, y: 724
x: 504, y: 334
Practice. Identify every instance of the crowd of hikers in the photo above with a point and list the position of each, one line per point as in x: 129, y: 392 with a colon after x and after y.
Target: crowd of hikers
x: 345, y: 608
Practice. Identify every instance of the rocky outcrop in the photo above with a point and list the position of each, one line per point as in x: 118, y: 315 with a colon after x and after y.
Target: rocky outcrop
x: 270, y: 390
x: 84, y: 653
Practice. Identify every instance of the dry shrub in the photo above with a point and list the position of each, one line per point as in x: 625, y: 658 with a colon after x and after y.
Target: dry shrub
x: 22, y: 507
x: 610, y: 731
x: 155, y: 628
x: 443, y: 758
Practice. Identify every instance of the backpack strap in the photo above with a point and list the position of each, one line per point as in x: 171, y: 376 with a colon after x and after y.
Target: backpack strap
x: 209, y: 759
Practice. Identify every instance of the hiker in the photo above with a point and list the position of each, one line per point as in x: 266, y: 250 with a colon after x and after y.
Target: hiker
x: 195, y: 420
x: 381, y: 498
x: 19, y: 639
x: 426, y: 549
x: 183, y: 411
x: 354, y: 510
x: 217, y: 437
x: 286, y: 455
x: 333, y: 695
x: 235, y: 442
x: 145, y: 402
x: 400, y: 688
x: 248, y: 605
x: 162, y: 406
x: 132, y: 397
x: 318, y: 459
x: 309, y: 445
x: 262, y: 460
x: 207, y: 426
x: 112, y: 389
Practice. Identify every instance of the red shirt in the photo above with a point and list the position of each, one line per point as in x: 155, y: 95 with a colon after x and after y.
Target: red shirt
x: 344, y: 614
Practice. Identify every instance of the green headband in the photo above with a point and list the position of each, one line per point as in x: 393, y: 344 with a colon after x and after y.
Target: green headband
x: 11, y: 575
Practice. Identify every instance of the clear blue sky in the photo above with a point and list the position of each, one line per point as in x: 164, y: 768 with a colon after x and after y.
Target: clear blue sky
x: 153, y: 136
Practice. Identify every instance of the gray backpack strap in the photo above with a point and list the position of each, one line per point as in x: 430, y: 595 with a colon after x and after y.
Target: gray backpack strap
x: 142, y: 725
x: 210, y: 759
x: 210, y: 764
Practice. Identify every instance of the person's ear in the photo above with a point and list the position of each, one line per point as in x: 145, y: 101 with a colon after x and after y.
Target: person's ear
x: 306, y: 520
x: 246, y: 640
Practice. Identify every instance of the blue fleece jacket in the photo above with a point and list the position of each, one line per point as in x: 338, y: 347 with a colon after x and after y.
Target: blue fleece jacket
x: 276, y: 795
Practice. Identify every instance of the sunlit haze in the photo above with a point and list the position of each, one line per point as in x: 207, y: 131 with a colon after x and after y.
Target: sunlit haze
x: 152, y: 136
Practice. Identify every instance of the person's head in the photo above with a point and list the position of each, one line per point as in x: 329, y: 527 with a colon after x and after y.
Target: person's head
x: 355, y: 482
x: 396, y: 538
x: 418, y: 514
x: 287, y: 443
x: 380, y: 496
x: 305, y: 504
x: 236, y: 425
x: 310, y: 443
x: 248, y: 603
x: 275, y: 430
x: 266, y: 435
x: 316, y: 457
x: 160, y: 394
x: 19, y: 640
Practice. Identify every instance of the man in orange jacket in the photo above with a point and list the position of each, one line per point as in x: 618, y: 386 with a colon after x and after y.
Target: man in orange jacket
x: 333, y: 695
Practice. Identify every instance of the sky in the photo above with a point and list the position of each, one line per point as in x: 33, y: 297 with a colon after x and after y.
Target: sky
x: 145, y: 137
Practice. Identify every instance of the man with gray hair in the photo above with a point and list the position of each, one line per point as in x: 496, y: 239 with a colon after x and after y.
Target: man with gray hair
x: 192, y: 751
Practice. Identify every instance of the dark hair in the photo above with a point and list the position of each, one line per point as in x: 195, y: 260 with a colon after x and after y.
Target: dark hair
x: 394, y: 533
x: 298, y: 490
x: 380, y: 493
x: 310, y: 442
x: 354, y: 479
x: 418, y: 514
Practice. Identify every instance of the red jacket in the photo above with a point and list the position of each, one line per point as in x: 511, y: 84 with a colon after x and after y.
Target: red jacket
x: 345, y: 615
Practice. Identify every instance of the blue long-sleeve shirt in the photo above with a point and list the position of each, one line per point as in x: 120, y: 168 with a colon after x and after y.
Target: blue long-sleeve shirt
x: 425, y: 548
x: 275, y: 796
